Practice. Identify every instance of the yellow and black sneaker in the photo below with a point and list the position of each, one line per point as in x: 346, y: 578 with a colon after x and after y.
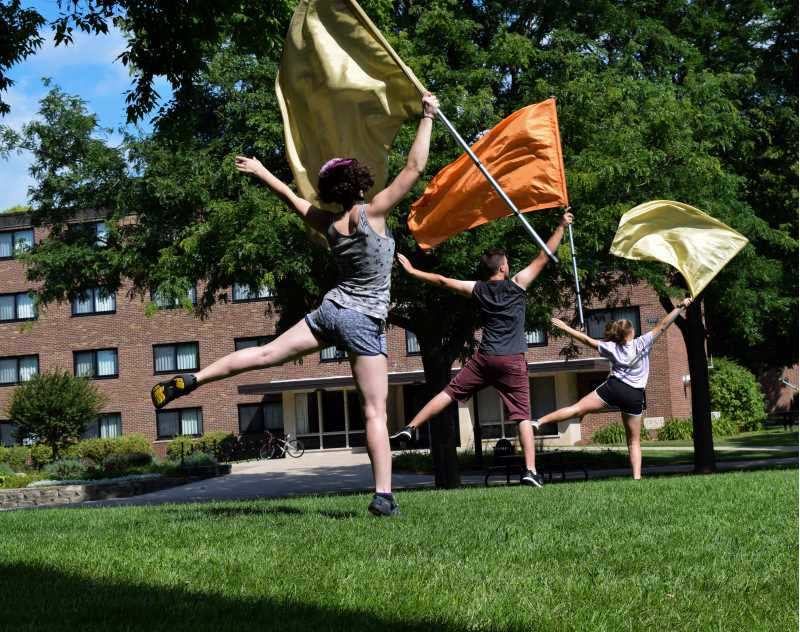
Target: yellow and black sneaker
x: 164, y: 392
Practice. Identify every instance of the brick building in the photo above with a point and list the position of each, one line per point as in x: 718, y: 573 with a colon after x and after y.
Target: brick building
x: 111, y: 338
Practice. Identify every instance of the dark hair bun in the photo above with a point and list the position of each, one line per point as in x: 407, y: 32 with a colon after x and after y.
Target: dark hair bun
x: 345, y: 184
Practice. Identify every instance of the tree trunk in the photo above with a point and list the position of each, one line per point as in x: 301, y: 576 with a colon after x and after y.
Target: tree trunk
x: 694, y: 336
x: 437, y: 365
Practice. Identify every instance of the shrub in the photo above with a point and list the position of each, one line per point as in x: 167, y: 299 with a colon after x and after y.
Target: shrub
x: 55, y: 408
x: 682, y: 429
x: 16, y: 457
x: 66, y: 469
x: 178, y: 446
x: 18, y: 480
x: 736, y: 393
x: 98, y: 450
x: 615, y: 434
x: 115, y: 463
x: 41, y: 455
x: 198, y: 459
x: 216, y: 443
x: 676, y: 430
x: 5, y: 470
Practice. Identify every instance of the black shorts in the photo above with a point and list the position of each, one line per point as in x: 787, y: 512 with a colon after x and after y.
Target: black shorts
x: 617, y: 394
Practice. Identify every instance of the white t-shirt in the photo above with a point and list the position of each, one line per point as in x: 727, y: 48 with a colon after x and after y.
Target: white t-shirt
x: 621, y: 357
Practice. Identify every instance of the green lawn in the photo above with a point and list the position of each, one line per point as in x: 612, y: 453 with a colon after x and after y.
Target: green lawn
x: 771, y: 437
x: 672, y: 553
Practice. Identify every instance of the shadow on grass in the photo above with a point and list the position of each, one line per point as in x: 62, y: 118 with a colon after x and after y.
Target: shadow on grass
x: 234, y: 512
x: 44, y: 599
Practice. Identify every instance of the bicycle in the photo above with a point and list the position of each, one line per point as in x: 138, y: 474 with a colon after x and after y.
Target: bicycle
x: 275, y: 447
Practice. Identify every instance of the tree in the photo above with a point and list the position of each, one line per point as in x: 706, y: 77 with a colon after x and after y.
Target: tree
x: 54, y: 408
x: 649, y: 108
x: 196, y: 31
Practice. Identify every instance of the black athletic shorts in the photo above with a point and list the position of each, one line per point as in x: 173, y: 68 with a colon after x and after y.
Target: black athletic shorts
x: 617, y: 394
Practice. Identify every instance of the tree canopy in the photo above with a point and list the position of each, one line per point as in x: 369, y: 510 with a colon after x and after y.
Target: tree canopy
x: 691, y: 101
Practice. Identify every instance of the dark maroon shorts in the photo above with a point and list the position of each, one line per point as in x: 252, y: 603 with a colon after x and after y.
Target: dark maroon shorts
x: 507, y: 373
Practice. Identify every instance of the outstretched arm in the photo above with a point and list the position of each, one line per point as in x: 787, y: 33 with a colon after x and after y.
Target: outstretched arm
x: 574, y: 333
x: 454, y: 285
x: 527, y: 275
x: 669, y: 318
x: 314, y: 217
x: 386, y: 200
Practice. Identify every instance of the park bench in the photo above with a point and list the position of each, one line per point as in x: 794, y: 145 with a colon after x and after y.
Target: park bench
x: 506, y: 461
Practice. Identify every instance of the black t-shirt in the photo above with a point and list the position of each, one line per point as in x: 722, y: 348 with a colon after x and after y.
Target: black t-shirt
x: 502, y: 305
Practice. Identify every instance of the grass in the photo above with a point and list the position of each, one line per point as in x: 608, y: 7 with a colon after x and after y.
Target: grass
x: 771, y: 437
x: 608, y: 457
x: 672, y: 553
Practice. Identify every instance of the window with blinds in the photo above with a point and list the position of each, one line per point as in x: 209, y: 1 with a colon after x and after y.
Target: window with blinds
x: 96, y: 363
x: 18, y: 306
x: 172, y: 358
x: 17, y: 369
x: 15, y: 242
x: 94, y: 301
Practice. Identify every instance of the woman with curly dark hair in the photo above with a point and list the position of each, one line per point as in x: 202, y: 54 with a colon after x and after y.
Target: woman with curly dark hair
x: 624, y: 388
x: 353, y: 314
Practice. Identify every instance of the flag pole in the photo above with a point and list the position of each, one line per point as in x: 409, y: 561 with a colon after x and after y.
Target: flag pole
x: 575, y: 274
x: 369, y: 25
x: 498, y: 188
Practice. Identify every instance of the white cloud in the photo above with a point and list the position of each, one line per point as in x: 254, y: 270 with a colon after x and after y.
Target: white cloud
x: 86, y: 49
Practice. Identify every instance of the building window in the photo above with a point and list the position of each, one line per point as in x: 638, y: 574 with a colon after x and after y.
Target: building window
x: 536, y: 337
x: 8, y: 434
x: 94, y: 301
x: 491, y: 415
x: 17, y: 306
x: 15, y: 370
x: 329, y: 419
x: 412, y: 344
x: 15, y: 242
x: 252, y: 341
x: 243, y: 292
x: 96, y: 231
x: 184, y: 356
x: 163, y: 302
x: 106, y: 426
x: 332, y: 354
x: 597, y: 319
x: 97, y: 363
x: 182, y: 421
x: 543, y: 401
x: 267, y: 415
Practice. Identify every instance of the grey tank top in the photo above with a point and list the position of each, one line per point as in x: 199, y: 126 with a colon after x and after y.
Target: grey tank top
x: 364, y: 262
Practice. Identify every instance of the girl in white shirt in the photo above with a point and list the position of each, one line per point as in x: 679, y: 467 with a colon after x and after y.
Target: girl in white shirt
x: 624, y: 388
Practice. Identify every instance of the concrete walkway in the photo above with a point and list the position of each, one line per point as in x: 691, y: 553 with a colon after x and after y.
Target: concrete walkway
x: 338, y: 472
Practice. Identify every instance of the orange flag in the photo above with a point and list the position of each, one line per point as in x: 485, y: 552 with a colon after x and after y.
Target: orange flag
x: 522, y: 152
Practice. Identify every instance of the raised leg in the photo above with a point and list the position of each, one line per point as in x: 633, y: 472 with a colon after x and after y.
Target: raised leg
x: 633, y: 426
x: 591, y: 403
x: 436, y: 405
x: 293, y: 343
x: 372, y: 382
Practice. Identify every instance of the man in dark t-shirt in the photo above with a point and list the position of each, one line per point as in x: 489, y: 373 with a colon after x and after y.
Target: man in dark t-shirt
x: 500, y: 359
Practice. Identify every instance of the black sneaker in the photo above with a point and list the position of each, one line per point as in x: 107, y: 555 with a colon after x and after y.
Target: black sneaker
x: 533, y: 479
x: 382, y: 506
x: 164, y: 392
x: 406, y: 434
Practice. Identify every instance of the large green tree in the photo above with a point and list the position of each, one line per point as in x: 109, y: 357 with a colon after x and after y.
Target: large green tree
x: 651, y: 106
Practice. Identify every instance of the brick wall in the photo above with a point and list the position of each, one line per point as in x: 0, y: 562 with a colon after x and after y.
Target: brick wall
x: 57, y: 334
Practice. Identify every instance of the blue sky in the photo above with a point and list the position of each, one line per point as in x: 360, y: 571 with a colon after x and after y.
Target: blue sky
x: 85, y: 68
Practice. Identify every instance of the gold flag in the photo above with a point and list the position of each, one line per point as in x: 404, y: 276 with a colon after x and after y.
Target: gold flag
x: 694, y: 243
x: 343, y: 92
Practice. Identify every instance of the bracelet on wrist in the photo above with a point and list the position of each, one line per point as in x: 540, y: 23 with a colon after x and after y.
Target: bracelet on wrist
x: 430, y: 116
